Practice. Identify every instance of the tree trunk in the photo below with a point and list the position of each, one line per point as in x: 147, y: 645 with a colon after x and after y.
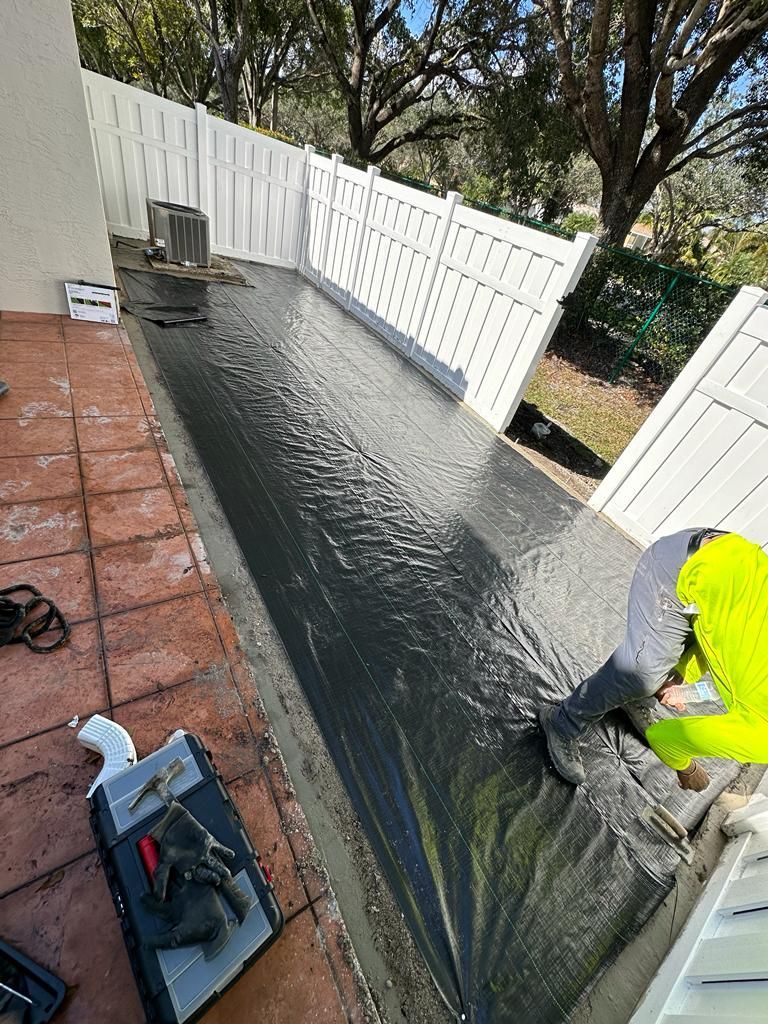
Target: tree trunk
x: 619, y: 209
x: 273, y: 114
x: 358, y: 137
x: 229, y: 88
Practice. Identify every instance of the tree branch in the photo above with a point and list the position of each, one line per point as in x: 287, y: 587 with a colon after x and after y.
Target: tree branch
x: 750, y: 108
x: 382, y: 19
x: 674, y: 12
x: 327, y: 47
x: 712, y: 152
x: 595, y: 107
x: 433, y: 129
x: 564, y: 53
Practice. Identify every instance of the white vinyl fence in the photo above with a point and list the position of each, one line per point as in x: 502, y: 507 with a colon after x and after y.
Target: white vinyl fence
x: 701, y: 457
x: 472, y: 298
x: 251, y: 186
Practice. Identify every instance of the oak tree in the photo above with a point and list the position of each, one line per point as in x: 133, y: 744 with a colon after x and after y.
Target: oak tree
x: 638, y: 77
x: 386, y: 58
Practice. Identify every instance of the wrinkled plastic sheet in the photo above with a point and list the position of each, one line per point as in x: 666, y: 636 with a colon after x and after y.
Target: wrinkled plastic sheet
x: 432, y: 589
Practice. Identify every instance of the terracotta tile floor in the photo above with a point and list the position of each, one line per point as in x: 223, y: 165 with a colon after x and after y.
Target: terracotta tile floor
x: 92, y: 512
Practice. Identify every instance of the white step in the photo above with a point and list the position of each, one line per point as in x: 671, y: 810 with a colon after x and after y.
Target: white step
x: 706, y: 1018
x: 736, y: 958
x: 758, y: 849
x: 745, y: 894
x: 718, y: 1004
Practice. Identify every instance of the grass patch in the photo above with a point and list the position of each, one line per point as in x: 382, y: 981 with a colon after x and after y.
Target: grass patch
x: 605, y: 417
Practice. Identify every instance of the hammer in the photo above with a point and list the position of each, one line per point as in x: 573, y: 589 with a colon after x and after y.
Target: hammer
x: 160, y: 783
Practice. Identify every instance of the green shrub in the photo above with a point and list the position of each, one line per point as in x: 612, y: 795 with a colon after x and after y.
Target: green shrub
x: 579, y: 222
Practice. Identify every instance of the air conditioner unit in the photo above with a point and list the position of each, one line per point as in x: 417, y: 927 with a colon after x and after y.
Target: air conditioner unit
x: 182, y: 231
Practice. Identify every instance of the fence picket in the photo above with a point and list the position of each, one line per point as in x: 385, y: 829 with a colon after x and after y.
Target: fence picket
x: 452, y: 200
x: 336, y: 159
x: 303, y: 235
x: 373, y: 173
x: 201, y: 113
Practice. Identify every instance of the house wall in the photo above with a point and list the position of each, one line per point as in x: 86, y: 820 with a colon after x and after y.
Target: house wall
x: 52, y: 225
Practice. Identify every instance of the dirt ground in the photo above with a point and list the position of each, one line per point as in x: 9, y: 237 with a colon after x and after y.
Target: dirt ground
x: 591, y: 422
x: 559, y: 454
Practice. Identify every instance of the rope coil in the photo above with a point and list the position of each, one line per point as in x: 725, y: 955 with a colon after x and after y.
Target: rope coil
x: 17, y: 627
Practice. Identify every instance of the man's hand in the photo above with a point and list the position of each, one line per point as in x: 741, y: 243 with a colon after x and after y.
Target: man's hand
x: 694, y: 777
x: 663, y: 696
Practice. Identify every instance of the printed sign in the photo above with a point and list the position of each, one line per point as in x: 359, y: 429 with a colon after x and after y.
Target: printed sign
x: 92, y: 302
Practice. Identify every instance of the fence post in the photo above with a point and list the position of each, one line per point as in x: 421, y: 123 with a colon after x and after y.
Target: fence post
x: 452, y: 200
x: 201, y: 113
x: 626, y: 356
x: 336, y: 159
x: 373, y: 173
x: 583, y: 246
x: 301, y: 247
x: 532, y: 349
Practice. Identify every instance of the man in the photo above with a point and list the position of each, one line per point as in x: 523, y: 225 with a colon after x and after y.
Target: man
x: 698, y: 603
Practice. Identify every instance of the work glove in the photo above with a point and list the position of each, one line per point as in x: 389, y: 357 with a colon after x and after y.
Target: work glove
x: 195, y: 914
x: 694, y: 777
x: 190, y: 849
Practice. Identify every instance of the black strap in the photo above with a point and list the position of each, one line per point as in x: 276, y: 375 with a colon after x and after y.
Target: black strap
x: 698, y: 538
x: 17, y: 626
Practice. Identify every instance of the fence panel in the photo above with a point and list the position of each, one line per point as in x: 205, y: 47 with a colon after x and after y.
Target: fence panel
x: 471, y: 297
x: 400, y: 233
x: 144, y: 145
x: 494, y: 305
x: 255, y: 194
x: 148, y: 146
x: 701, y: 458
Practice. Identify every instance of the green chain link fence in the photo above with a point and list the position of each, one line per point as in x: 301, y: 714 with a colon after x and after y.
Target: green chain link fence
x: 629, y: 309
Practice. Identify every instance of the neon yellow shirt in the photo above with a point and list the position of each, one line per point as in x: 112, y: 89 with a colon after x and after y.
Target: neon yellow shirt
x: 727, y: 580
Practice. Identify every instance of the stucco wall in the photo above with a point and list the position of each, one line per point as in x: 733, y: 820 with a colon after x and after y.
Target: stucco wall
x: 52, y: 225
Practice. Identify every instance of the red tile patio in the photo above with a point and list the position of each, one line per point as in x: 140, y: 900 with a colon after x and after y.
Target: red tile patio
x: 92, y: 513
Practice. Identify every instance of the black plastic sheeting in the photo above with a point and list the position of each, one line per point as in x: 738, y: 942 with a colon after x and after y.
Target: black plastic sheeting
x: 432, y: 589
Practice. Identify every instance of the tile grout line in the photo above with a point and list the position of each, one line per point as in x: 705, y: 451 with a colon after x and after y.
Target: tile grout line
x: 51, y: 871
x: 86, y: 523
x: 82, y: 493
x: 116, y: 707
x: 258, y: 743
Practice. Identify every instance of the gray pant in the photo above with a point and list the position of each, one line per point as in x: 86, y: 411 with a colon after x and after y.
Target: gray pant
x: 658, y: 631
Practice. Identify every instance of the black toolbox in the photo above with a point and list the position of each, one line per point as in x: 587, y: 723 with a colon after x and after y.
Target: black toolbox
x: 179, y: 985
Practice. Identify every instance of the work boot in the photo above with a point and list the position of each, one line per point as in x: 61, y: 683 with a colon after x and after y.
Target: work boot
x: 564, y: 752
x: 643, y: 713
